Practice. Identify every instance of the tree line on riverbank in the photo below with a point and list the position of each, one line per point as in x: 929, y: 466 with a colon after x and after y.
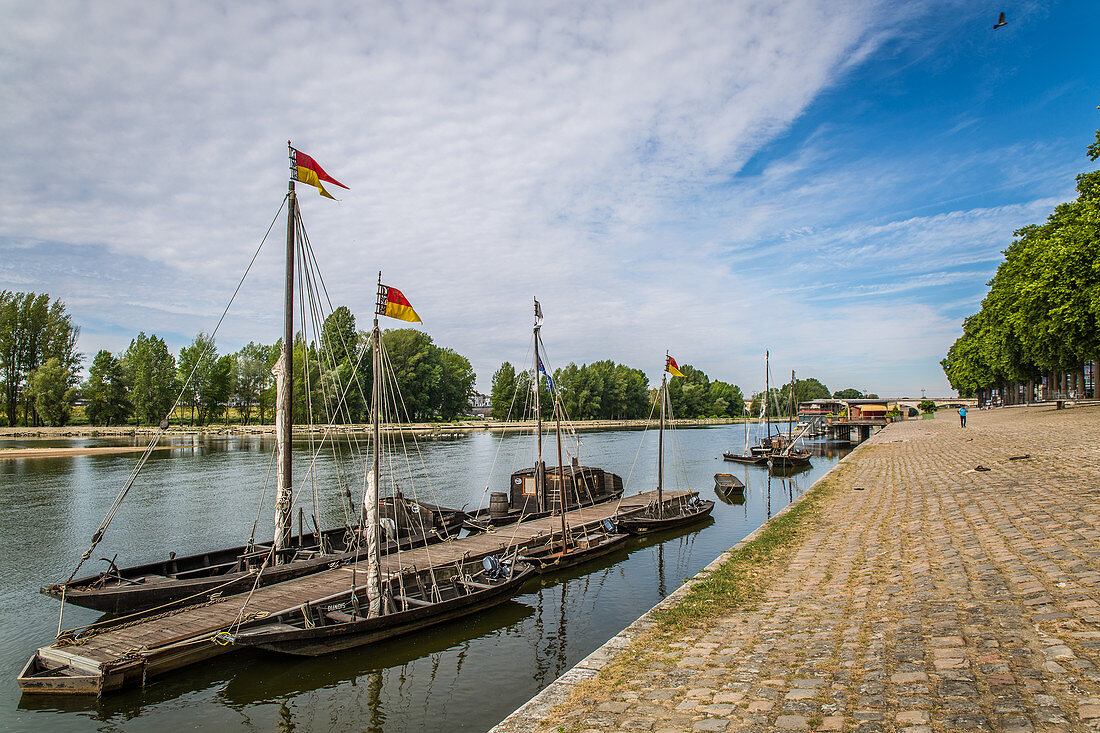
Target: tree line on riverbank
x: 1042, y: 311
x: 40, y: 374
x: 605, y: 390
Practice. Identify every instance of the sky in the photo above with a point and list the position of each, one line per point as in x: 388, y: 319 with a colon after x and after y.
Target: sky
x: 833, y: 181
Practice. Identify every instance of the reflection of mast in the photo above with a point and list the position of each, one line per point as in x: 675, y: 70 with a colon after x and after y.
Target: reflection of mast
x: 374, y: 700
x: 285, y: 724
x: 769, y: 500
x: 661, y: 570
x: 563, y: 636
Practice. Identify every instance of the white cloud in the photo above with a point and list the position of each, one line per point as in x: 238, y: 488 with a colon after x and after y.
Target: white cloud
x: 494, y: 150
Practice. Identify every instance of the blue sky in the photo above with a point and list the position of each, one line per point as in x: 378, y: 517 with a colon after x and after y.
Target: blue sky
x: 830, y: 180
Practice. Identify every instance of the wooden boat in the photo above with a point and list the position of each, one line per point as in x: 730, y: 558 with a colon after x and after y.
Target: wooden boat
x: 582, y: 486
x: 407, y: 603
x: 785, y: 453
x: 726, y: 484
x: 534, y: 492
x: 190, y: 576
x: 790, y: 457
x: 551, y: 557
x: 657, y: 516
x: 142, y: 587
x: 751, y: 459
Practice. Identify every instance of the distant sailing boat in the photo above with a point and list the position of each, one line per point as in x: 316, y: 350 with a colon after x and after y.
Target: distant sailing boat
x: 757, y: 455
x: 405, y: 600
x: 657, y: 516
x: 192, y: 577
x: 785, y: 453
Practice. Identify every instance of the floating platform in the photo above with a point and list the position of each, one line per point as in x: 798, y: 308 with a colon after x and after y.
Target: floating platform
x: 112, y: 658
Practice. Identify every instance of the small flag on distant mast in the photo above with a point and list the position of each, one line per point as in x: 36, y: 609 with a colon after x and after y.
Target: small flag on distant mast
x: 307, y: 170
x: 672, y: 367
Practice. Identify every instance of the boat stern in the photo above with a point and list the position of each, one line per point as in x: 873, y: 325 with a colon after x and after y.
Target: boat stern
x: 51, y: 672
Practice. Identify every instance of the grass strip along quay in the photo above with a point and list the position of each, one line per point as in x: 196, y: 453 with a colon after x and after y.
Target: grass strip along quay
x: 908, y: 590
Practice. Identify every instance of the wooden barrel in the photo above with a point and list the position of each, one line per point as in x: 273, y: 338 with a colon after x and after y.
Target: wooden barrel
x: 498, y: 504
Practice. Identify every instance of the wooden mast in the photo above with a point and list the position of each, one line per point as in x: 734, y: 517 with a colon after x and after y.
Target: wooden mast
x: 540, y: 466
x: 374, y: 555
x: 561, y: 477
x: 284, y: 381
x: 661, y: 443
x: 790, y: 415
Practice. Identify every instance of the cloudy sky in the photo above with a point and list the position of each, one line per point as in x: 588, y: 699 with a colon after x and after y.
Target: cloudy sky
x: 833, y: 180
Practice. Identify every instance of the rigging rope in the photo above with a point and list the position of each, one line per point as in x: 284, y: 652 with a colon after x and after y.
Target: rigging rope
x: 99, y: 533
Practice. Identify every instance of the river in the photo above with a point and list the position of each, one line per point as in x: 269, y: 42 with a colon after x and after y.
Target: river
x: 464, y: 675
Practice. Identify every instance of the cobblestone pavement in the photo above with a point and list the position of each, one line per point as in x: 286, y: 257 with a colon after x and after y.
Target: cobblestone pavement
x: 933, y: 597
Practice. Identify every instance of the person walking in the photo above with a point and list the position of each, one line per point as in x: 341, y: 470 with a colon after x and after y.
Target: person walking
x: 962, y: 416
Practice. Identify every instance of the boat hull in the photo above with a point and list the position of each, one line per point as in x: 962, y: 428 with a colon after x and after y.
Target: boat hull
x: 790, y: 460
x: 146, y: 587
x: 551, y: 562
x: 647, y: 524
x: 754, y: 459
x: 312, y: 642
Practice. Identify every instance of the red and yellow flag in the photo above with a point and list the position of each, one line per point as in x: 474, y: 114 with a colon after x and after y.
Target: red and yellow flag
x: 307, y: 170
x: 392, y: 303
x: 672, y: 367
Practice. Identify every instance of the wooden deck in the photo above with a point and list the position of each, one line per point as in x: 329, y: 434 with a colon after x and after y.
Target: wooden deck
x: 118, y: 657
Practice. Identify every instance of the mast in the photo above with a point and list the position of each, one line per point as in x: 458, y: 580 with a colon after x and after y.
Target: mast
x: 790, y: 414
x: 284, y: 383
x: 767, y: 393
x: 540, y: 467
x: 370, y: 501
x: 661, y: 443
x: 561, y: 477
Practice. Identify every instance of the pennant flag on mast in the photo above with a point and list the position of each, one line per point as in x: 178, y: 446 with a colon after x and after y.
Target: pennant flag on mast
x: 392, y: 303
x: 543, y: 372
x: 307, y: 170
x: 672, y: 367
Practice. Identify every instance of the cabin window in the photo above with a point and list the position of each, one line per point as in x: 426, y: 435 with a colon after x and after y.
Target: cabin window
x: 528, y: 485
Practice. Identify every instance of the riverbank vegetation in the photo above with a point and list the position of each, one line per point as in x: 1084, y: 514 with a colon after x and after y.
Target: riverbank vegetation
x: 1042, y: 311
x: 605, y: 390
x: 40, y: 375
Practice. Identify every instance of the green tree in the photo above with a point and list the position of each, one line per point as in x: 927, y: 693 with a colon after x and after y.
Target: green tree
x: 456, y: 384
x: 417, y: 370
x: 217, y: 389
x: 151, y: 371
x: 107, y: 392
x: 848, y: 394
x: 1042, y: 311
x: 33, y: 330
x: 195, y: 364
x: 689, y: 395
x: 502, y: 396
x: 927, y: 406
x: 49, y: 386
x: 726, y: 400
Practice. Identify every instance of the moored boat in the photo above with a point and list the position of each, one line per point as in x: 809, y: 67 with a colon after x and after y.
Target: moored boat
x: 658, y: 515
x: 406, y: 603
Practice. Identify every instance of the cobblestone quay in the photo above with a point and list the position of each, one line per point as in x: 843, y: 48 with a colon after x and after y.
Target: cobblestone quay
x: 918, y: 594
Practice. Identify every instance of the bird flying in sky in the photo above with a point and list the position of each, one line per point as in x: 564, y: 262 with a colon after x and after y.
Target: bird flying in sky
x: 1000, y: 22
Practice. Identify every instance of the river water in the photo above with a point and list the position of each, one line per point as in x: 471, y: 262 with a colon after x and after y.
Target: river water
x: 465, y: 675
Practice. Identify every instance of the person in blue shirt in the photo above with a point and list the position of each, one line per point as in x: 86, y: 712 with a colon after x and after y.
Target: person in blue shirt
x: 962, y: 416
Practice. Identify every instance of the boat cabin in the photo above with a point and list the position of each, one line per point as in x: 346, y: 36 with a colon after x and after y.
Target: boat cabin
x: 582, y: 484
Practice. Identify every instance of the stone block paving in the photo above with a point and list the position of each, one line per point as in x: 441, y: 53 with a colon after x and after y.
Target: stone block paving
x: 934, y: 598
